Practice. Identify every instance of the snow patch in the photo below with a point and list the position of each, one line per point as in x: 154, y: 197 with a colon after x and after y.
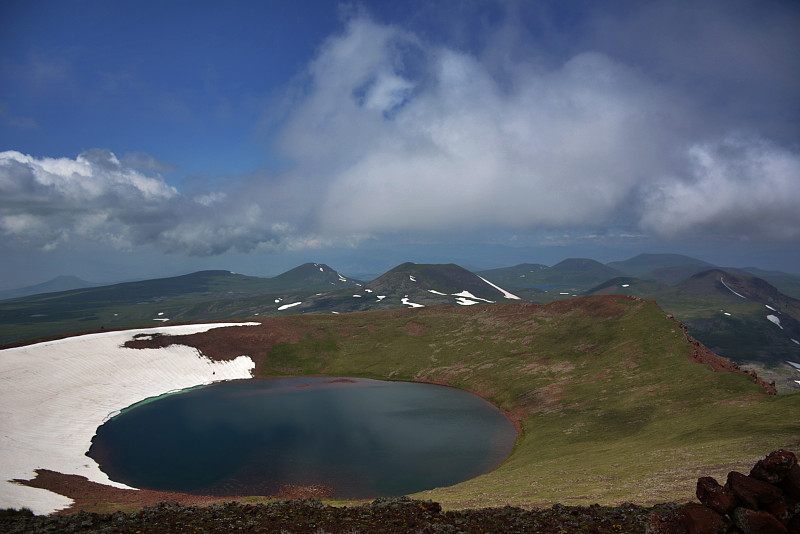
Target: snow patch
x: 287, y: 306
x: 162, y: 319
x: 468, y: 295
x: 625, y: 285
x: 775, y: 320
x: 412, y: 278
x: 505, y: 293
x: 368, y: 290
x: 770, y: 307
x: 465, y: 301
x: 357, y: 296
x: 436, y: 292
x: 381, y: 297
x: 721, y: 279
x: 795, y: 341
x: 407, y: 302
x: 55, y: 394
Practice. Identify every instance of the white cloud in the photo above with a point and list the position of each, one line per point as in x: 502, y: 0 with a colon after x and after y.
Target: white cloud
x: 589, y: 142
x: 739, y: 185
x: 388, y: 133
x: 47, y: 202
x: 560, y: 147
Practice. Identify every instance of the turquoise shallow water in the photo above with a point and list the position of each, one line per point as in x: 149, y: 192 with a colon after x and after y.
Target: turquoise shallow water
x: 363, y: 438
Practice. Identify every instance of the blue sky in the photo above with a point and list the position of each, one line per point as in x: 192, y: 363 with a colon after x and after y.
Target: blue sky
x: 142, y: 139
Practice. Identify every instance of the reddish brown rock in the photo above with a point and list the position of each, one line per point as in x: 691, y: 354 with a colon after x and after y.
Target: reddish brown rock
x: 757, y: 522
x: 775, y: 467
x: 716, y: 497
x: 791, y: 484
x: 751, y: 492
x: 778, y: 508
x: 699, y: 519
x: 793, y: 526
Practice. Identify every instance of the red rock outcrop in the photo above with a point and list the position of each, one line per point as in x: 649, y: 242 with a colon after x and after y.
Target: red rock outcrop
x: 719, y: 364
x: 767, y: 501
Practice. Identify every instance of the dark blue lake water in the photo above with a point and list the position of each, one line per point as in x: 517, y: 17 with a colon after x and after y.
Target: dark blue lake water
x: 363, y: 438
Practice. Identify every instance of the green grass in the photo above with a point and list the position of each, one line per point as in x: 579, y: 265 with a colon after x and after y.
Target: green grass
x: 609, y: 405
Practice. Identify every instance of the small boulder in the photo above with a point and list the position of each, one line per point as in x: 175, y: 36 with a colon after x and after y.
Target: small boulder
x: 757, y: 522
x: 699, y: 519
x: 751, y: 492
x: 775, y: 467
x: 716, y: 497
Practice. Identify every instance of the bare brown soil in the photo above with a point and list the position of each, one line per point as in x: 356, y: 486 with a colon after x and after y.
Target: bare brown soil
x: 96, y: 497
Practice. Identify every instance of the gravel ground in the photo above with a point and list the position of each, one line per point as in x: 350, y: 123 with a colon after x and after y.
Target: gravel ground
x: 382, y: 515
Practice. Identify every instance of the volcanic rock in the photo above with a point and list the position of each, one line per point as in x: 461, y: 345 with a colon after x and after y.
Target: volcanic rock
x: 699, y: 519
x: 751, y: 492
x: 716, y: 497
x: 775, y: 467
x: 757, y: 522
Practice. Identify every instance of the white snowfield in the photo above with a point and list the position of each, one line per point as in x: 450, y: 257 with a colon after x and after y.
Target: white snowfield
x: 776, y: 320
x: 505, y: 293
x: 54, y: 395
x: 466, y: 295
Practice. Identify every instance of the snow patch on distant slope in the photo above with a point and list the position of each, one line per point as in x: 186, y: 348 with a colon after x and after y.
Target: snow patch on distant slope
x: 721, y: 279
x: 775, y: 320
x: 287, y: 306
x: 505, y: 293
x: 468, y: 295
x: 407, y: 302
x: 436, y: 292
x: 465, y: 301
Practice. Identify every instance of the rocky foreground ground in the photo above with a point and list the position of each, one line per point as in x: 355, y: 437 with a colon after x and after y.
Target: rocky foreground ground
x: 766, y: 501
x: 382, y: 515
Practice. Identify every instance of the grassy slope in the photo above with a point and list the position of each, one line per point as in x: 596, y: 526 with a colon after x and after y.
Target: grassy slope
x: 610, y: 407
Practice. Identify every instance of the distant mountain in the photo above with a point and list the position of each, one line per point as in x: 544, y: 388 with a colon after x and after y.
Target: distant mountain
x: 741, y: 317
x: 641, y: 265
x: 676, y: 273
x: 626, y: 285
x: 204, y: 295
x: 311, y: 277
x: 524, y: 275
x: 567, y: 278
x: 788, y: 284
x: 738, y: 315
x: 581, y: 272
x: 59, y: 283
x: 407, y: 285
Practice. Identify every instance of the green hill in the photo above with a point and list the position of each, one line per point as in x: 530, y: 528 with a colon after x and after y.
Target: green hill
x: 609, y: 403
x: 643, y: 264
x: 204, y: 295
x: 59, y: 283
